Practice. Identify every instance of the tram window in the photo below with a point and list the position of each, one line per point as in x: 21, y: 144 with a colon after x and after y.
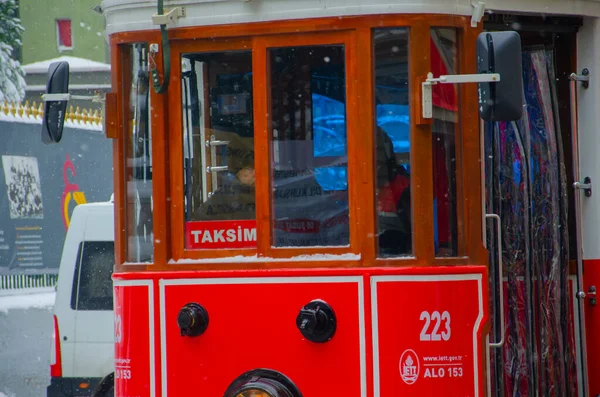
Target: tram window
x: 138, y: 156
x: 218, y: 146
x: 392, y: 142
x: 309, y: 146
x: 444, y: 61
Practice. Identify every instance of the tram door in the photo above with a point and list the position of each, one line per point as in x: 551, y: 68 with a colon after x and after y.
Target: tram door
x: 218, y: 126
x: 527, y: 185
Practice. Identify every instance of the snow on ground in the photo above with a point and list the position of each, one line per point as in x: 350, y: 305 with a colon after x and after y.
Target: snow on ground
x: 39, y: 298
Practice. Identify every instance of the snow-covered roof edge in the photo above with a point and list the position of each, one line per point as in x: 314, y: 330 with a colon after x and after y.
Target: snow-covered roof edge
x: 75, y: 65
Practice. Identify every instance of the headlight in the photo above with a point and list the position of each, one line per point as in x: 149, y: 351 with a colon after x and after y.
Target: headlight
x: 254, y: 393
x: 262, y: 383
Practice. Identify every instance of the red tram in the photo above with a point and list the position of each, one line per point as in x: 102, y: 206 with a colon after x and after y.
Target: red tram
x: 301, y: 204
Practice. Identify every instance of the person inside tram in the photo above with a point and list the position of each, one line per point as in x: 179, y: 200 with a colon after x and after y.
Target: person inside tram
x: 235, y: 199
x: 393, y: 200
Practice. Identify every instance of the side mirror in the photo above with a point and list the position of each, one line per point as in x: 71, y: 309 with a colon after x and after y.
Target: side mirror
x: 55, y: 106
x: 500, y: 52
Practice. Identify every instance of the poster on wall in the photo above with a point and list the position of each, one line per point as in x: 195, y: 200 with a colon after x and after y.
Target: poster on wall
x: 24, y: 193
x: 40, y: 185
x: 23, y: 187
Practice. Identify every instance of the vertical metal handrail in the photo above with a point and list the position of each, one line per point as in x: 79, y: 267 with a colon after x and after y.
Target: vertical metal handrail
x: 214, y: 167
x: 500, y: 273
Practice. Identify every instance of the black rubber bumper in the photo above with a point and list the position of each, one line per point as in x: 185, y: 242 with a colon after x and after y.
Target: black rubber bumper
x: 69, y: 387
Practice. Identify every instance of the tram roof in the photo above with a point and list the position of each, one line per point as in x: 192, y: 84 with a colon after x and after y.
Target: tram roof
x: 134, y: 15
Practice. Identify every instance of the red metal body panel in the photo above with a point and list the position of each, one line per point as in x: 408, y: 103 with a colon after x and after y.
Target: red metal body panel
x: 252, y: 325
x: 134, y: 339
x: 428, y: 336
x: 591, y: 277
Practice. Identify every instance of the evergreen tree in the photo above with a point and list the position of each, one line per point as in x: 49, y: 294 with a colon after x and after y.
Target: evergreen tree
x: 12, y: 81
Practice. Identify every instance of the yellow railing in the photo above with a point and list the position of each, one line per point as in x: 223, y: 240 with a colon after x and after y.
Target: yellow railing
x: 35, y: 111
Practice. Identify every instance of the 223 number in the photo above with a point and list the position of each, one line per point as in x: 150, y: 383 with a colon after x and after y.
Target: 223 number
x: 437, y: 319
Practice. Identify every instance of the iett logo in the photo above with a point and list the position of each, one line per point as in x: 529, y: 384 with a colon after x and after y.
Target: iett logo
x: 409, y: 367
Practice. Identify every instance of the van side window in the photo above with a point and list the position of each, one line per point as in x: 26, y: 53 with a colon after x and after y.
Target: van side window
x: 92, y: 283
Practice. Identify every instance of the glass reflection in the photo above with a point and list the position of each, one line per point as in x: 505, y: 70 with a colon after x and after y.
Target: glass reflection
x: 309, y: 146
x: 445, y: 122
x: 138, y: 157
x: 392, y: 143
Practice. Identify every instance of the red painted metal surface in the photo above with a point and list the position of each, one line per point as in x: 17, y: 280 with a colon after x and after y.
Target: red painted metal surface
x: 134, y: 372
x: 429, y: 335
x: 591, y: 277
x: 252, y: 324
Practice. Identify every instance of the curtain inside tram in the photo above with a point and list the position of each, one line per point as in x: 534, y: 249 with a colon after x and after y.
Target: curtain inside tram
x: 526, y: 186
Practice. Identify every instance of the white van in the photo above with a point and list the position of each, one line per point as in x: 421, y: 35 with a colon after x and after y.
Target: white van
x: 82, y: 352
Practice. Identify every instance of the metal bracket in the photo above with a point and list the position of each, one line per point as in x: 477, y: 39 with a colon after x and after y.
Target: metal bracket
x: 477, y: 13
x: 427, y: 96
x: 170, y: 17
x: 55, y: 97
x: 586, y: 186
x: 591, y: 295
x: 584, y: 77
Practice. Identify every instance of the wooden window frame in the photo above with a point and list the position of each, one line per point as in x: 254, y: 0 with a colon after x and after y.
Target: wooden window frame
x: 121, y: 84
x: 175, y: 139
x: 170, y: 253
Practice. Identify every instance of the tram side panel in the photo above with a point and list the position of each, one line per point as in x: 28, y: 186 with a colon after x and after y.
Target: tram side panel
x: 427, y: 332
x: 252, y: 323
x: 135, y: 358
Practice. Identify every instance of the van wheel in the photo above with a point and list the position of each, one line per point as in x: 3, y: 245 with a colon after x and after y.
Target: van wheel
x: 106, y: 387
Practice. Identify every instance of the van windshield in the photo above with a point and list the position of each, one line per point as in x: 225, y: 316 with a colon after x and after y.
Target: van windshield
x: 92, y: 283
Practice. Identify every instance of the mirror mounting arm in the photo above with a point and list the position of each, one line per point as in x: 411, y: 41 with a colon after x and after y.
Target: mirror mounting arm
x: 477, y: 13
x: 66, y: 97
x: 426, y: 86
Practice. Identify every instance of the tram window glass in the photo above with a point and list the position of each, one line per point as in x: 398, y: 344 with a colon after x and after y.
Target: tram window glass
x: 138, y: 170
x: 218, y: 145
x: 392, y: 142
x: 444, y: 61
x: 309, y: 146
